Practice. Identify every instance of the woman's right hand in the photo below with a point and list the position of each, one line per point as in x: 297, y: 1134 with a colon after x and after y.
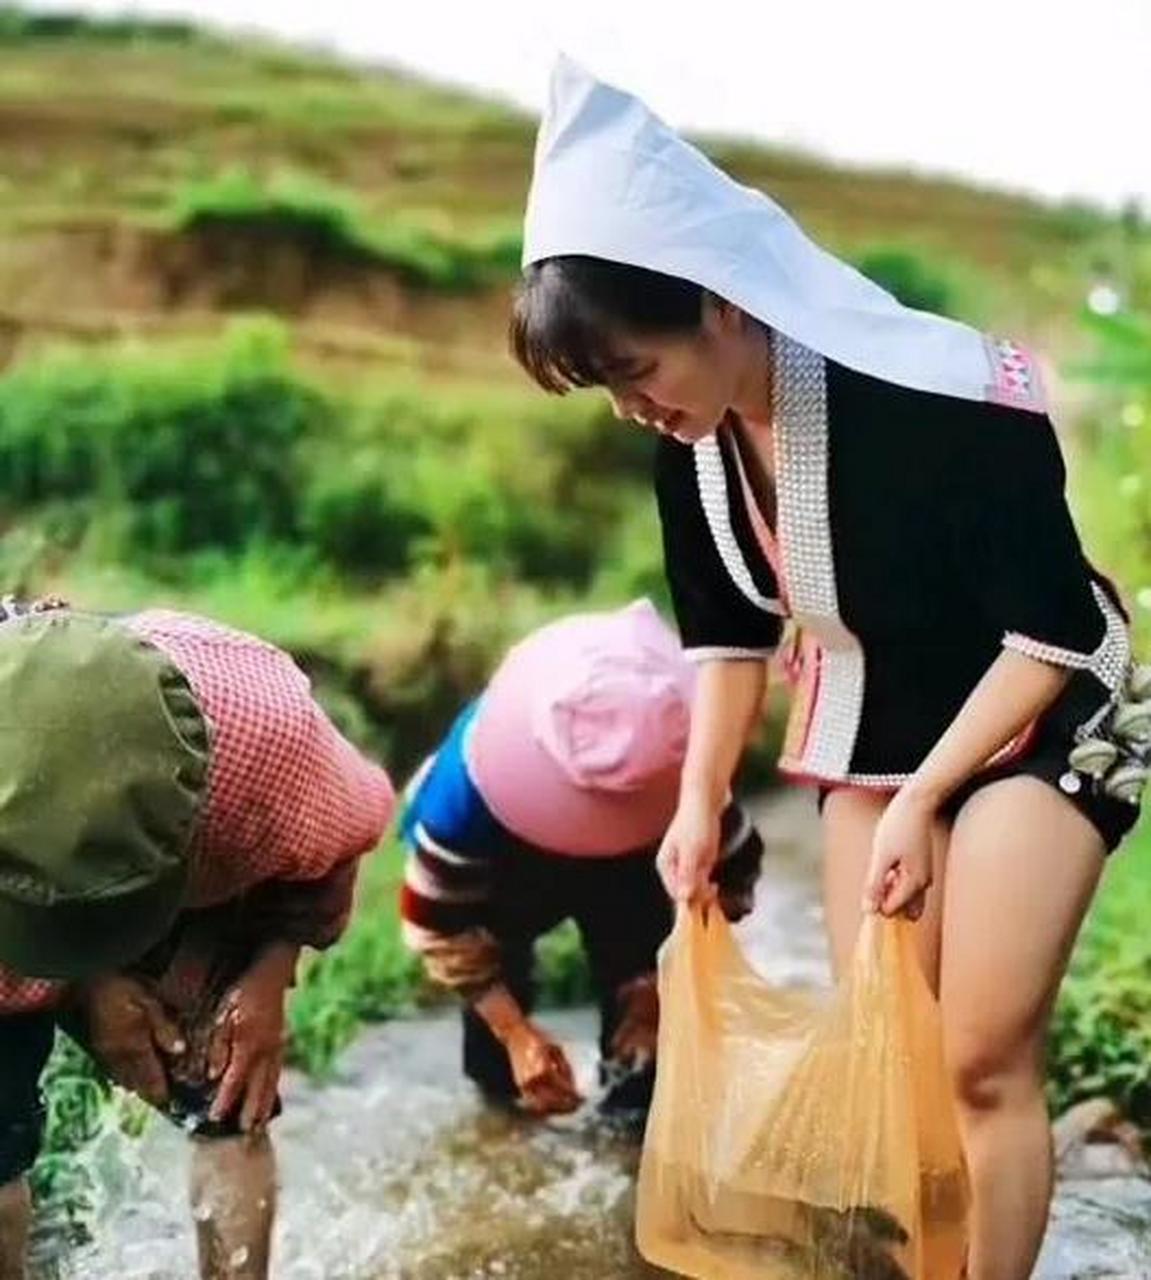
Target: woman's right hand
x: 542, y: 1072
x: 690, y: 851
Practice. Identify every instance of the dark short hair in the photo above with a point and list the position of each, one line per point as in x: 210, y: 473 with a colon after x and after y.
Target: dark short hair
x: 570, y: 311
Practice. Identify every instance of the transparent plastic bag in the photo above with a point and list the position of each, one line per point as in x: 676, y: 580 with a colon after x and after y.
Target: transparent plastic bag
x: 795, y: 1136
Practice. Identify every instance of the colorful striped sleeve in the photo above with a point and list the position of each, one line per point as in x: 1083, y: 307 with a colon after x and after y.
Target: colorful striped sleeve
x: 452, y: 841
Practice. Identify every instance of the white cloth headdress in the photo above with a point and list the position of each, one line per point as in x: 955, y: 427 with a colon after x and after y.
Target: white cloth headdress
x: 612, y: 181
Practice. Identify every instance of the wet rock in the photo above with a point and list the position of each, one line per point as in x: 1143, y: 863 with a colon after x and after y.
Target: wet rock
x: 1094, y: 1140
x: 1099, y: 1227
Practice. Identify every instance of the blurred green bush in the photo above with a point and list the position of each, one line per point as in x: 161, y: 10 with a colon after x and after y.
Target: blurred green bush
x: 1101, y: 1033
x: 20, y: 23
x: 180, y: 450
x: 329, y: 224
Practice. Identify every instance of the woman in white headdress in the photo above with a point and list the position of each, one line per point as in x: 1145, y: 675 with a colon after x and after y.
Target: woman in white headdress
x: 889, y: 480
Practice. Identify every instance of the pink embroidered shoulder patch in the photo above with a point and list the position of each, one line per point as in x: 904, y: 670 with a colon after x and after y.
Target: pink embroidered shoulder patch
x: 1015, y: 379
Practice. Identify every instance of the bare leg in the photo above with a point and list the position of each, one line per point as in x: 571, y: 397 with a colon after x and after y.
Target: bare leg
x: 1022, y: 866
x: 15, y: 1214
x: 849, y: 819
x: 233, y: 1194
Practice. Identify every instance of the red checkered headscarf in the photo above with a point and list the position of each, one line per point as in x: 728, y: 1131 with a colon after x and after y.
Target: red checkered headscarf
x: 289, y: 798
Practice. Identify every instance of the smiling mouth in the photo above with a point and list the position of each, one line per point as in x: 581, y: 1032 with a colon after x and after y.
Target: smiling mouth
x: 665, y: 424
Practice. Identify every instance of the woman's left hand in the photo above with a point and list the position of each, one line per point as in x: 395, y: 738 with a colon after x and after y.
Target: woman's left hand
x: 900, y: 871
x: 246, y: 1052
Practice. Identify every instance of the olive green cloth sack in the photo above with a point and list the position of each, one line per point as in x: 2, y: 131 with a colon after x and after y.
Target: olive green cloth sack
x: 104, y: 756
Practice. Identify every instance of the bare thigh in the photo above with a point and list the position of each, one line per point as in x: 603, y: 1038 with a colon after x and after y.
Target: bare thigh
x: 1022, y: 867
x: 850, y: 815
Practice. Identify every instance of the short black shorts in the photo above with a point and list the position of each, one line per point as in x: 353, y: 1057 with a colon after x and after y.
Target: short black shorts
x: 1047, y: 761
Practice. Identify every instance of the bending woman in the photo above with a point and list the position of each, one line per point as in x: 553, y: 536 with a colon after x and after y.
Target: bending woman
x: 890, y: 481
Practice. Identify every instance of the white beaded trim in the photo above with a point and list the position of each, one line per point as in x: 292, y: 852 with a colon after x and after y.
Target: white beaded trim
x: 1043, y: 652
x: 722, y: 653
x: 837, y: 712
x: 800, y: 393
x: 711, y: 479
x: 1108, y: 663
x: 1112, y: 660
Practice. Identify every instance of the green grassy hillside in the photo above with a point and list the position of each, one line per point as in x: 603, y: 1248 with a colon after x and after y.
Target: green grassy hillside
x: 153, y: 176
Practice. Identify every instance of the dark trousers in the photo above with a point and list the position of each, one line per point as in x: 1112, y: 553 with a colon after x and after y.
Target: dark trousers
x: 25, y: 1043
x: 623, y: 915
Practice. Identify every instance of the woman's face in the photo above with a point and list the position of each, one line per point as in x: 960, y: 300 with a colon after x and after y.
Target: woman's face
x: 683, y: 385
